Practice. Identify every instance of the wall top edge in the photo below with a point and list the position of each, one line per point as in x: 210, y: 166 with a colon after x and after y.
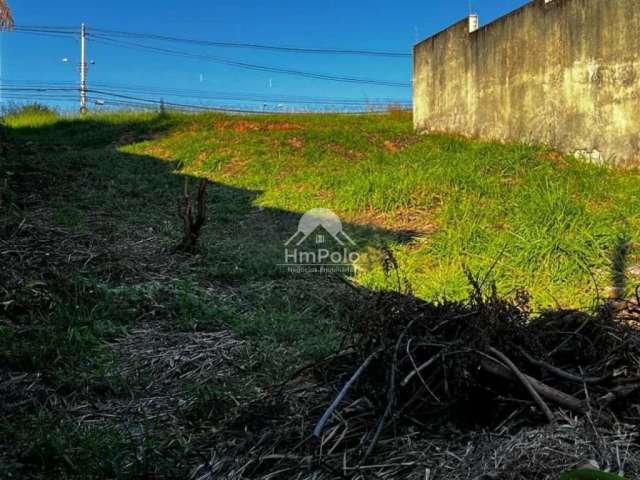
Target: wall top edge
x: 504, y: 18
x: 453, y: 26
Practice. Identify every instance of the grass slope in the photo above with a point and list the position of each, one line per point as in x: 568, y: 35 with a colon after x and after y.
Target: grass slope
x: 550, y: 224
x: 89, y: 217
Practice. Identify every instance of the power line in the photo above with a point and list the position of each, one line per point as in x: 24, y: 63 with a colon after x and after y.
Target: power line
x: 248, y: 66
x: 255, y: 46
x: 210, y: 43
x: 179, y: 105
x: 70, y: 28
x: 246, y: 96
x: 38, y: 89
x: 42, y: 34
x: 107, y: 99
x: 30, y: 86
x: 108, y: 39
x: 152, y: 105
x: 46, y: 31
x: 45, y: 90
x: 190, y: 108
x: 44, y: 97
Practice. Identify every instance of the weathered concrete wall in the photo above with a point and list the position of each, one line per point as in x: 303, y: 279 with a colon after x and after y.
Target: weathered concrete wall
x: 564, y: 73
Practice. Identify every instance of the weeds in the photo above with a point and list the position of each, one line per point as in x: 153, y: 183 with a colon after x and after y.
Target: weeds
x: 559, y: 218
x: 60, y: 448
x: 64, y: 336
x: 194, y: 218
x: 16, y: 110
x: 89, y: 291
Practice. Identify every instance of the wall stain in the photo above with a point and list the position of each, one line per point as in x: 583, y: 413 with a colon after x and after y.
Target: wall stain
x: 563, y: 73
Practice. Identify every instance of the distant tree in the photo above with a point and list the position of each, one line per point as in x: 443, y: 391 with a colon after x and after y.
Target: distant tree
x: 6, y: 20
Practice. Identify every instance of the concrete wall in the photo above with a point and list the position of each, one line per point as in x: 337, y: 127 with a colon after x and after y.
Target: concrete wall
x: 565, y: 73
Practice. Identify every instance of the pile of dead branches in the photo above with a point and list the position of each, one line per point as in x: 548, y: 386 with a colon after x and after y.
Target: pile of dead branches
x: 459, y: 390
x: 471, y: 362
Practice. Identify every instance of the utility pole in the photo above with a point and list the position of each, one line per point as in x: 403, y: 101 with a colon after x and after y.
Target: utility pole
x: 83, y: 69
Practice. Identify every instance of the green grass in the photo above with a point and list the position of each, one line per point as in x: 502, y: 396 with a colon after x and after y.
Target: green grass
x: 95, y: 199
x: 537, y: 220
x: 52, y: 447
x: 63, y: 337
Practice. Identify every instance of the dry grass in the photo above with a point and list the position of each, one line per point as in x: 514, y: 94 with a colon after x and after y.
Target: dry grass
x: 423, y: 406
x: 180, y: 356
x: 508, y: 453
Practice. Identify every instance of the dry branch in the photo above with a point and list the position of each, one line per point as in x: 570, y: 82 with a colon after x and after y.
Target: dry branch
x: 417, y: 370
x: 327, y: 414
x: 544, y: 390
x: 423, y: 368
x: 563, y: 374
x: 526, y: 381
x: 391, y: 394
x: 193, y: 219
x: 618, y: 393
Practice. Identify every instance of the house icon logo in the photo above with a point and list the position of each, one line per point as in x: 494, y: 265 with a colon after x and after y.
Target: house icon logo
x: 320, y: 245
x: 315, y: 220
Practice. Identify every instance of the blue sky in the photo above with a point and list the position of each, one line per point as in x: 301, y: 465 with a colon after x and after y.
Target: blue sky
x: 357, y: 24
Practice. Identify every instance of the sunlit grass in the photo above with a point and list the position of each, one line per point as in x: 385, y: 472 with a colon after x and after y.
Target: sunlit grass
x: 532, y: 218
x: 518, y: 215
x: 537, y: 220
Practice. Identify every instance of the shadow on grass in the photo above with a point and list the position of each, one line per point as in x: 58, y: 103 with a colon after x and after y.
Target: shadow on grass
x: 92, y: 185
x: 95, y: 194
x: 105, y: 221
x: 88, y: 249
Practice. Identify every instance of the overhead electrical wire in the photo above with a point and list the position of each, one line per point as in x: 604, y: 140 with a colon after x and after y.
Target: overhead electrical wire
x: 255, y: 46
x: 107, y: 99
x: 255, y: 97
x: 48, y: 35
x: 49, y: 90
x: 36, y: 89
x: 47, y: 31
x: 247, y: 66
x: 38, y: 94
x: 114, y: 38
x: 204, y: 94
x: 149, y: 105
x: 179, y: 105
x: 58, y: 28
x: 210, y: 43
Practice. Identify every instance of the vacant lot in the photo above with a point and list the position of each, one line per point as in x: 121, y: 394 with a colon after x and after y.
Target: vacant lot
x: 119, y: 358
